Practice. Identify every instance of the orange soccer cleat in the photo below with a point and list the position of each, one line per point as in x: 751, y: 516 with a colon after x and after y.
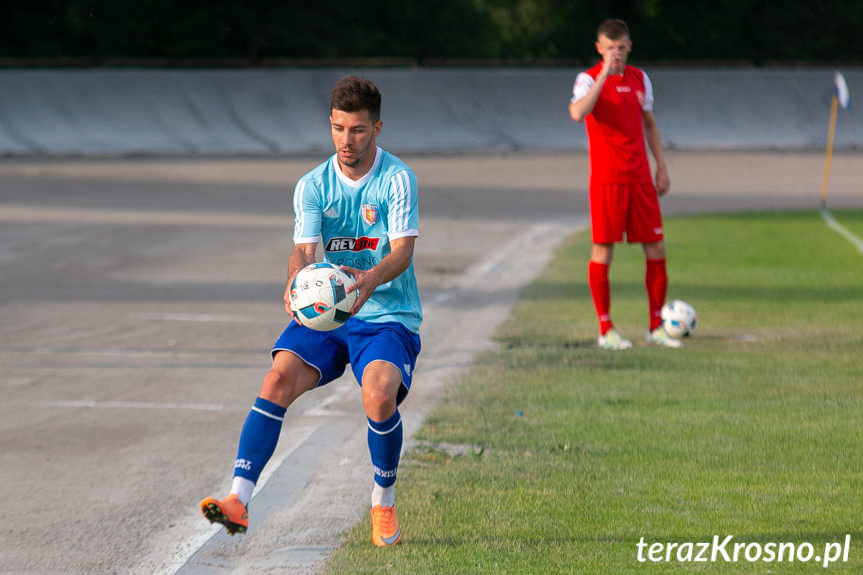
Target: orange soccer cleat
x: 230, y: 512
x: 385, y: 526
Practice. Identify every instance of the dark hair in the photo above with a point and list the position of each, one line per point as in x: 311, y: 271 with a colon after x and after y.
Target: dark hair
x: 613, y: 29
x: 353, y: 94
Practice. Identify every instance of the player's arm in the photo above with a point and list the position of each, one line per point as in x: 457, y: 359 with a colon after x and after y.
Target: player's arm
x: 579, y: 108
x: 308, y: 215
x: 389, y: 268
x: 303, y: 255
x: 654, y: 142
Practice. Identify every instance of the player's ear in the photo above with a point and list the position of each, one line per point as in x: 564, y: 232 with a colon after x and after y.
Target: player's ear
x: 377, y: 128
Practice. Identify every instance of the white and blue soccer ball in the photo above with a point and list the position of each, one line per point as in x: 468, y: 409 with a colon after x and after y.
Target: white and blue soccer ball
x: 679, y: 318
x: 319, y: 297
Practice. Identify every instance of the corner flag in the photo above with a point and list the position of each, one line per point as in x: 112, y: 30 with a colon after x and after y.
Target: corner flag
x: 841, y: 97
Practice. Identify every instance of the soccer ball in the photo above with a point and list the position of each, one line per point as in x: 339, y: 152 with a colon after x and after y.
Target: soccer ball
x: 679, y: 318
x: 318, y: 297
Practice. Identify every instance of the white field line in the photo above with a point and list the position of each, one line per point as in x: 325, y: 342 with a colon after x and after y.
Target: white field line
x: 482, y: 269
x: 201, y: 317
x: 18, y: 213
x: 84, y: 403
x: 109, y: 352
x: 842, y: 230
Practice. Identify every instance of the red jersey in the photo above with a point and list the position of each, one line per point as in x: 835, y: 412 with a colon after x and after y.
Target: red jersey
x: 615, y: 132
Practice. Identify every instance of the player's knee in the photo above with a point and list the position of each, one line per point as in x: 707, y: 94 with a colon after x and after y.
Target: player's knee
x: 655, y: 250
x: 378, y: 403
x: 602, y: 253
x: 275, y: 387
x: 283, y: 386
x: 276, y: 379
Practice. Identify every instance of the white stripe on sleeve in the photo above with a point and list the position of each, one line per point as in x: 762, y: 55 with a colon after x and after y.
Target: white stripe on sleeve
x: 299, y: 220
x: 404, y: 234
x: 647, y: 106
x: 402, y: 196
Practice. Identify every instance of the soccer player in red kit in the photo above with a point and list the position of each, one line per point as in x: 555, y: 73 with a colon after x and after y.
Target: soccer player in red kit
x: 616, y: 103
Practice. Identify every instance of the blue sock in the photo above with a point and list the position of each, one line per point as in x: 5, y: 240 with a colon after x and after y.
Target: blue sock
x: 258, y: 439
x: 385, y: 446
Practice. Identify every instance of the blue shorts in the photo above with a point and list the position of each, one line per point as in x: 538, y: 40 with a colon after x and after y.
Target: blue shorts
x: 357, y: 343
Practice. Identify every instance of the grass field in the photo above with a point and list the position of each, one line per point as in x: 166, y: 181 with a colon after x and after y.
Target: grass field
x: 552, y: 456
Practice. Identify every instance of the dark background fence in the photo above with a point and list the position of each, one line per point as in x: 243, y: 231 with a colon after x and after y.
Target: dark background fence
x: 444, y: 32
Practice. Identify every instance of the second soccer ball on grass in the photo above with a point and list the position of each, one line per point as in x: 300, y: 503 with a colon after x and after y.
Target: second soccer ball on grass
x: 679, y: 318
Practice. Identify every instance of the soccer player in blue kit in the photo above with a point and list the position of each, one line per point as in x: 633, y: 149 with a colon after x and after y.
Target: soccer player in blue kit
x: 362, y: 202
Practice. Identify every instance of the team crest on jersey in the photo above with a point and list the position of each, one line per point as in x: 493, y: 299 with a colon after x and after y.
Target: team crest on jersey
x: 640, y: 95
x: 369, y: 213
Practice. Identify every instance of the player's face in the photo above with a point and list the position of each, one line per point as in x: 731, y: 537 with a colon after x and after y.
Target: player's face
x: 354, y: 136
x: 618, y: 50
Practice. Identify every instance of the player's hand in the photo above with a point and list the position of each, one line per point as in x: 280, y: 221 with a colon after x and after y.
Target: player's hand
x: 364, y: 284
x: 287, y: 297
x: 608, y: 63
x: 663, y: 183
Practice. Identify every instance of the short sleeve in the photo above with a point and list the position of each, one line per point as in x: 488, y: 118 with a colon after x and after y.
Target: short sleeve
x: 647, y: 105
x: 583, y: 83
x: 307, y: 213
x: 402, y: 216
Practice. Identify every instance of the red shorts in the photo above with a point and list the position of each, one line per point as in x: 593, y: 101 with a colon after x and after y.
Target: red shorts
x: 632, y: 209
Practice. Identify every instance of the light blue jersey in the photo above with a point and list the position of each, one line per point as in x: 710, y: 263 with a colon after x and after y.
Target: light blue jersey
x: 357, y: 219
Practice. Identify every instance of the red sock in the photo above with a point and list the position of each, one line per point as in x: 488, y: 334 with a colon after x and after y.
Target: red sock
x: 597, y: 278
x: 656, y: 282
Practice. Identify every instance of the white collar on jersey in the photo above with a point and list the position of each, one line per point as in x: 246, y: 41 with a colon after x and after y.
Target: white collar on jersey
x: 361, y: 182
